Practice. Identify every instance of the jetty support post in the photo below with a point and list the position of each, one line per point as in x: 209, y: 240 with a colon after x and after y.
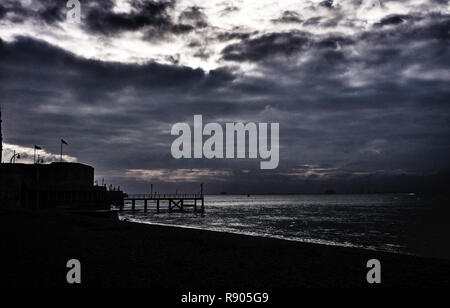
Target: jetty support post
x: 157, y: 206
x: 145, y: 206
x: 133, y: 205
x: 203, y: 198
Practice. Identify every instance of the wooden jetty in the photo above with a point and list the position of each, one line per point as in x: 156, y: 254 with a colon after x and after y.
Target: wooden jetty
x: 176, y: 202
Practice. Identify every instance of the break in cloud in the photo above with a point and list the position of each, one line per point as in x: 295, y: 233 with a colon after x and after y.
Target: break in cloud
x: 360, y: 88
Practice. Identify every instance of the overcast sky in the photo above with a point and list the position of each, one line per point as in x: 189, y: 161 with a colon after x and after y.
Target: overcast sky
x: 360, y: 89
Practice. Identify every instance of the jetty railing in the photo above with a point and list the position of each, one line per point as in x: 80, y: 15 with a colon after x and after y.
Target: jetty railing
x: 162, y: 196
x: 175, y: 201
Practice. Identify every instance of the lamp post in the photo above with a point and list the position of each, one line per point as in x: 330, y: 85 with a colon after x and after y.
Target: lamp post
x: 13, y: 158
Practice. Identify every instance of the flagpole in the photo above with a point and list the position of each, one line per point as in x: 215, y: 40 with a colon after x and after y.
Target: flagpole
x: 61, y: 152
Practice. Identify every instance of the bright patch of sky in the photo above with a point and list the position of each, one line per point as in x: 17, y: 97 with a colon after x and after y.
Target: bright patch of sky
x: 245, y: 16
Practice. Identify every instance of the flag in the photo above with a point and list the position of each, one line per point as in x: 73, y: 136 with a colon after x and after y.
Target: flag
x: 64, y: 142
x: 37, y: 148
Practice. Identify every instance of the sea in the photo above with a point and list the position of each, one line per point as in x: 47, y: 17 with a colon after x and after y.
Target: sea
x: 397, y: 223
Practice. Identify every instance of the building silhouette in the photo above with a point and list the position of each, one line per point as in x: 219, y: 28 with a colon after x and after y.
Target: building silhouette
x: 57, y: 185
x: 1, y: 137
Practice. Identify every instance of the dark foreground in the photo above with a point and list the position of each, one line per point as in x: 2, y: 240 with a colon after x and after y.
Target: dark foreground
x: 35, y: 247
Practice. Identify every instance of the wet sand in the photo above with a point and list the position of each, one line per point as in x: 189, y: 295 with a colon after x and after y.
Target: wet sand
x: 35, y: 247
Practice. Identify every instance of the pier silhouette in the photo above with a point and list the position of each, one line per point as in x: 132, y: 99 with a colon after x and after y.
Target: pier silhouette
x: 176, y: 202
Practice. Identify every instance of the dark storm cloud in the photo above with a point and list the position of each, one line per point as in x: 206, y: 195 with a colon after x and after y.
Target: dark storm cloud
x: 113, y: 108
x: 52, y: 14
x: 295, y: 42
x: 313, y: 21
x: 2, y: 11
x: 334, y: 42
x: 194, y: 16
x: 392, y: 20
x: 52, y: 11
x: 442, y: 2
x: 202, y: 53
x: 105, y: 75
x: 360, y: 87
x: 327, y: 3
x: 228, y: 36
x: 373, y: 105
x: 435, y: 27
x: 267, y: 45
x: 49, y: 11
x: 13, y: 6
x: 151, y: 16
x: 15, y: 11
x: 288, y: 17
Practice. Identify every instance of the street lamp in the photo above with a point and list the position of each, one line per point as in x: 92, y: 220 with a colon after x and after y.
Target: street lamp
x: 13, y: 158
